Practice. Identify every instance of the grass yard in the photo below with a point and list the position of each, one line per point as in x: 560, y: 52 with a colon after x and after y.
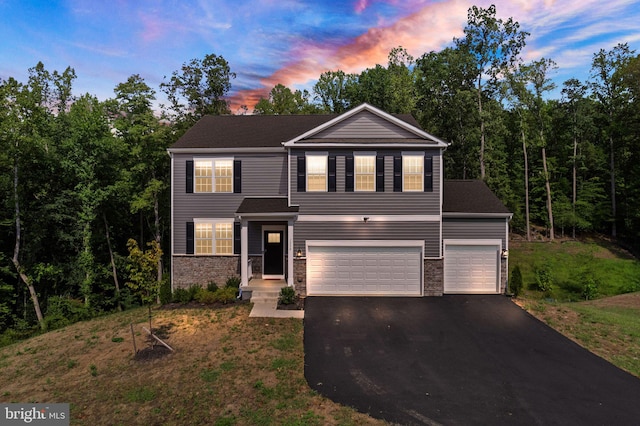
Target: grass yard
x: 572, y: 265
x: 228, y: 369
x: 608, y: 327
x: 609, y: 324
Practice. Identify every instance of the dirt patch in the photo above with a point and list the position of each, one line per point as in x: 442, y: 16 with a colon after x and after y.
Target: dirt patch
x: 198, y: 305
x: 630, y: 300
x: 152, y: 352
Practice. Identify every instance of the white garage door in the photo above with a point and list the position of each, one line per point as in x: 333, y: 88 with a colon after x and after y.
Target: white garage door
x: 471, y: 269
x: 364, y: 270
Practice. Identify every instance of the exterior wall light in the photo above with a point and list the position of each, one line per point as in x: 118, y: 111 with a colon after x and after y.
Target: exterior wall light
x: 505, y: 254
x: 299, y: 253
x: 365, y: 219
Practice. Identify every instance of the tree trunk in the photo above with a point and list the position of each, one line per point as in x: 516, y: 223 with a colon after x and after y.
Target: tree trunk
x: 548, y: 188
x: 613, y: 189
x: 158, y: 237
x: 114, y: 270
x: 16, y: 253
x: 575, y: 186
x: 526, y: 182
x: 482, y: 139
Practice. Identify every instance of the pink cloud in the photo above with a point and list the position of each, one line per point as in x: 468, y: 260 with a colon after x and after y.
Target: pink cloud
x: 361, y: 5
x: 430, y: 28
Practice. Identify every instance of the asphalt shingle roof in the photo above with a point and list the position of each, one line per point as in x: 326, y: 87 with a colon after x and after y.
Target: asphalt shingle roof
x: 266, y: 205
x: 470, y: 196
x: 255, y: 131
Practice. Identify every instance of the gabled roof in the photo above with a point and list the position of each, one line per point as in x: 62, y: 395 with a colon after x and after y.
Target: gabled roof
x: 272, y: 131
x: 469, y: 198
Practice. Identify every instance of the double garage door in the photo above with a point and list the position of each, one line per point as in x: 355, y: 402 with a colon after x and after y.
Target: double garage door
x: 472, y: 267
x: 366, y: 269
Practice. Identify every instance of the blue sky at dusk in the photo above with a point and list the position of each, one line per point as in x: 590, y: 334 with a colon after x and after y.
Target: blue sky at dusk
x: 283, y: 41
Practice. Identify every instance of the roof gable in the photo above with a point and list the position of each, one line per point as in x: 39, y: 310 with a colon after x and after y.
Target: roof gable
x: 369, y: 125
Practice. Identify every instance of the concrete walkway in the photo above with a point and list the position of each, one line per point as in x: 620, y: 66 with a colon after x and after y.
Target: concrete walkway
x: 264, y: 296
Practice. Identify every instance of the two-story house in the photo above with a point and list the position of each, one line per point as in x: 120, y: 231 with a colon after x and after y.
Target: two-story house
x: 350, y: 204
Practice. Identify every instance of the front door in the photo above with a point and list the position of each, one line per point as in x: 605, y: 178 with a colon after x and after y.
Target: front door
x: 273, y: 260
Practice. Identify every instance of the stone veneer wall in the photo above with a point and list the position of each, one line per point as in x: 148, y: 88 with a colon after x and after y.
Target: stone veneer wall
x: 300, y: 276
x: 504, y: 276
x: 433, y: 277
x: 200, y: 270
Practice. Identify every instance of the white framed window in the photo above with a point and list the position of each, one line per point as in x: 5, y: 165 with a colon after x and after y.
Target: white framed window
x: 213, y: 238
x: 317, y: 173
x: 412, y: 173
x: 213, y: 175
x: 365, y: 172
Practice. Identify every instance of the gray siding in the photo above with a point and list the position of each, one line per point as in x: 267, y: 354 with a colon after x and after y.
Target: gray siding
x: 367, y: 203
x: 365, y: 125
x: 475, y: 229
x: 262, y: 175
x: 427, y: 231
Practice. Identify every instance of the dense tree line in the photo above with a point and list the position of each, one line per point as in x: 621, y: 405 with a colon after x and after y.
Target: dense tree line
x: 80, y: 177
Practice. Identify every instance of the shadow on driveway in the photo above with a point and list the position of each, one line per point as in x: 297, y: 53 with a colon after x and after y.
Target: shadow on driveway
x: 458, y: 360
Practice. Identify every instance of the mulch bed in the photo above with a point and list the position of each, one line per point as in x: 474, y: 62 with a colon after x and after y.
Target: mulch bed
x: 198, y: 305
x: 297, y: 305
x: 151, y: 352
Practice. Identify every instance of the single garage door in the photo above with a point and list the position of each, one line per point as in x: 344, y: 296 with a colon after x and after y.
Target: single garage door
x: 364, y: 270
x: 471, y: 268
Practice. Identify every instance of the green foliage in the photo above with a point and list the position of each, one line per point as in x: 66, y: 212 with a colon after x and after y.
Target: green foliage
x: 226, y: 295
x: 206, y: 296
x: 287, y: 295
x: 142, y: 270
x: 165, y: 291
x: 515, y: 285
x: 233, y: 282
x: 589, y: 289
x: 141, y: 394
x: 62, y: 311
x: 212, y: 286
x: 544, y: 279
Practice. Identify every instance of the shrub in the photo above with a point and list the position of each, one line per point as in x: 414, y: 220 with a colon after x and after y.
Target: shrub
x: 165, y: 290
x: 544, y: 280
x: 287, y: 295
x: 62, y: 311
x: 233, y: 282
x: 212, y: 286
x: 206, y: 296
x: 589, y: 289
x: 516, y: 281
x: 226, y: 295
x: 181, y: 295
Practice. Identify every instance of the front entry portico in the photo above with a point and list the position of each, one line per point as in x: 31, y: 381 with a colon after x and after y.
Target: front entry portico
x: 276, y: 219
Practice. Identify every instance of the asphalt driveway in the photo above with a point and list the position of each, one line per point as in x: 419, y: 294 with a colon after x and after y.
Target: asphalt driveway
x: 458, y: 360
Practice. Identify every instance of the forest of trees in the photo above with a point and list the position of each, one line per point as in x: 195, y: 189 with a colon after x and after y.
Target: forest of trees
x: 79, y: 177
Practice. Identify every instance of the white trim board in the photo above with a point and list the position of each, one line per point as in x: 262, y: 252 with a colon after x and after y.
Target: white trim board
x: 371, y: 218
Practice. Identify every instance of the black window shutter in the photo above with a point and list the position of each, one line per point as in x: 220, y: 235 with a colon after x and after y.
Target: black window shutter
x: 331, y: 165
x: 190, y: 238
x: 380, y: 173
x: 236, y: 237
x: 237, y: 176
x: 428, y: 174
x: 348, y: 168
x: 302, y: 173
x: 397, y: 174
x: 189, y: 176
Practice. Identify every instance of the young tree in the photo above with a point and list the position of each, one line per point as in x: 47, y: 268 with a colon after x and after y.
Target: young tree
x: 142, y: 272
x: 495, y: 44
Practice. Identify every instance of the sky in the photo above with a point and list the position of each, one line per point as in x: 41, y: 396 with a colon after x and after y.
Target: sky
x: 289, y: 42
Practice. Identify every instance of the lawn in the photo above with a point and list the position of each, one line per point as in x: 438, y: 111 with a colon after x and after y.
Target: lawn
x: 227, y: 369
x: 573, y: 264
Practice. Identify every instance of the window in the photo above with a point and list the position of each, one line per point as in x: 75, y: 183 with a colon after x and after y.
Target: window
x: 317, y: 173
x: 213, y: 175
x: 365, y: 172
x: 213, y: 238
x: 412, y: 172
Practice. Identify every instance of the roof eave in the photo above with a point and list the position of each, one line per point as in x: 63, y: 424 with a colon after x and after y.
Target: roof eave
x: 462, y: 215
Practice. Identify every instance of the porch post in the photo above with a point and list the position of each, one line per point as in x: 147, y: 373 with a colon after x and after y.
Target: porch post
x: 244, y: 252
x: 290, y: 253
